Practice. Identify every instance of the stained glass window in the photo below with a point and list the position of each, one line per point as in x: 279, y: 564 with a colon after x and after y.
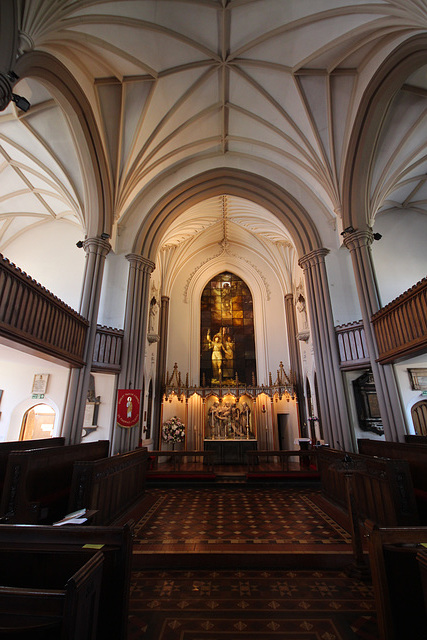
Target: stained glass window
x: 227, y: 332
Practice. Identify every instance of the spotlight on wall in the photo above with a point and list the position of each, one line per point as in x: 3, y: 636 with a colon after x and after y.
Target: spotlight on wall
x: 79, y: 244
x: 105, y: 236
x: 21, y: 103
x: 377, y: 236
x: 348, y: 230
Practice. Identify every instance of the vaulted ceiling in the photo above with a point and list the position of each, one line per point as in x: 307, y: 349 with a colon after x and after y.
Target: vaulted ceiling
x: 268, y: 85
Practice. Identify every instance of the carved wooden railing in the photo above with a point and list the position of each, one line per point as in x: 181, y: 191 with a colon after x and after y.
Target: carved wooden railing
x: 352, y: 345
x: 401, y: 327
x: 107, y: 351
x: 34, y: 317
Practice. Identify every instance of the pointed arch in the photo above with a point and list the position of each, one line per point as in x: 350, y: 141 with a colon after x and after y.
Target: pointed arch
x: 240, y: 183
x: 72, y: 99
x: 388, y: 79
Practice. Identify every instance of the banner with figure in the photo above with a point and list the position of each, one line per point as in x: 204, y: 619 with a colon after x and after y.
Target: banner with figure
x: 128, y: 407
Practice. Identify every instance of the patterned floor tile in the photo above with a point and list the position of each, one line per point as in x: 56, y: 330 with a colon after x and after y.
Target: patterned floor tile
x: 237, y: 516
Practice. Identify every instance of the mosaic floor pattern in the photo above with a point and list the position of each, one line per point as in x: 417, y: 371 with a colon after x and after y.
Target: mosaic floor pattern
x: 255, y: 605
x: 236, y: 516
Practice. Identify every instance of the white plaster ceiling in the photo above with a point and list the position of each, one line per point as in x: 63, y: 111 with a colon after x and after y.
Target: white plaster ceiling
x: 176, y: 83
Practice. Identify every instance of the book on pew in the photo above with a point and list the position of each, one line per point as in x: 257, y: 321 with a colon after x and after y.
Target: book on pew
x: 75, y: 517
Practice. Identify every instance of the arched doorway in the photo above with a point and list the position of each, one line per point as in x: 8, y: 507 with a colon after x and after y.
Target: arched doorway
x: 38, y: 423
x: 419, y: 417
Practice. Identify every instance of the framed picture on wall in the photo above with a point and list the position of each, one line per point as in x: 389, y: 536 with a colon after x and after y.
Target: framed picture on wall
x: 418, y: 379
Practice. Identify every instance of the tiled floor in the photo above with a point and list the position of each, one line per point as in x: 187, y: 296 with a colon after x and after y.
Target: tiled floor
x: 244, y: 563
x: 250, y: 605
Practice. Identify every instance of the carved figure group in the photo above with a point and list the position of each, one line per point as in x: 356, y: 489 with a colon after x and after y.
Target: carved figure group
x: 228, y: 420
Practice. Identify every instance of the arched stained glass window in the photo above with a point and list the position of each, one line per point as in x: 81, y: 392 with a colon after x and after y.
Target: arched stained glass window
x: 227, y: 332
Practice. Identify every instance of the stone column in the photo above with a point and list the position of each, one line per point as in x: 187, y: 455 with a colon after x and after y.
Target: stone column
x: 96, y: 251
x: 160, y: 368
x: 359, y: 245
x: 331, y: 388
x: 134, y: 342
x: 294, y: 359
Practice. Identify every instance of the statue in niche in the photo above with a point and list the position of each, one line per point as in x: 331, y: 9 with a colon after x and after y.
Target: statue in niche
x: 152, y: 315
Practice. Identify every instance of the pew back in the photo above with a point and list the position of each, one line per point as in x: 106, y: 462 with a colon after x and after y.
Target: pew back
x: 39, y: 592
x: 116, y: 546
x: 397, y: 581
x: 111, y: 486
x: 415, y: 454
x: 38, y: 482
x: 382, y: 488
x: 19, y: 445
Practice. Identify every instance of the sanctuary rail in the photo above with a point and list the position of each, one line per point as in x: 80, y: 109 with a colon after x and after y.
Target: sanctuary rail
x: 180, y: 457
x: 307, y: 459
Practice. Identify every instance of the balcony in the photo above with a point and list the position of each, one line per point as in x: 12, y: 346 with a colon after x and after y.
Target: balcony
x: 34, y: 317
x: 352, y: 346
x: 401, y: 327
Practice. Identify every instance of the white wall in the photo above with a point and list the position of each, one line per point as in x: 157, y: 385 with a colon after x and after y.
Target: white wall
x: 48, y: 253
x: 17, y: 371
x: 400, y: 257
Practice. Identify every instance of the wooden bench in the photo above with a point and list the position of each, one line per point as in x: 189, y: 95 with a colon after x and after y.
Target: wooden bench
x: 415, y: 454
x: 111, y: 486
x: 381, y: 489
x: 44, y: 592
x: 38, y: 482
x: 395, y: 568
x: 20, y: 445
x: 115, y: 544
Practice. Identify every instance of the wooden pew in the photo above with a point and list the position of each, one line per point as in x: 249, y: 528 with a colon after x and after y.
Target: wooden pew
x: 46, y: 594
x: 112, y: 486
x: 21, y: 445
x: 115, y: 544
x: 37, y: 483
x: 396, y: 580
x: 382, y: 489
x: 415, y: 454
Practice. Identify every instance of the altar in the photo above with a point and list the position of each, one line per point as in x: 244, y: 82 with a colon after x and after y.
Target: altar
x: 230, y: 451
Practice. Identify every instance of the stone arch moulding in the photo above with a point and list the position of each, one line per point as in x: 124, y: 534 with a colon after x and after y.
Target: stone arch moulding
x: 75, y: 105
x: 257, y: 289
x: 388, y: 79
x: 240, y: 183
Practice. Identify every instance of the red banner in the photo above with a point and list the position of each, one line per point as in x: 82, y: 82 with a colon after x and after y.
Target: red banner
x: 128, y: 407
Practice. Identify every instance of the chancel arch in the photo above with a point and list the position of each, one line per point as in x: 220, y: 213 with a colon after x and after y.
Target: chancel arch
x: 273, y: 198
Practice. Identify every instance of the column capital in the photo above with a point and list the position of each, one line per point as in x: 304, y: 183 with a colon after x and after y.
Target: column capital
x: 358, y: 239
x: 139, y: 262
x: 97, y: 245
x: 317, y: 256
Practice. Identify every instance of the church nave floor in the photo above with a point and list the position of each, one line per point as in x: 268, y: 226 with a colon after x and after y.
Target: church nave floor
x: 244, y: 563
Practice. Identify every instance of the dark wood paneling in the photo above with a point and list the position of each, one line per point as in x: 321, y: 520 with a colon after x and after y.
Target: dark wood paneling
x: 401, y: 327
